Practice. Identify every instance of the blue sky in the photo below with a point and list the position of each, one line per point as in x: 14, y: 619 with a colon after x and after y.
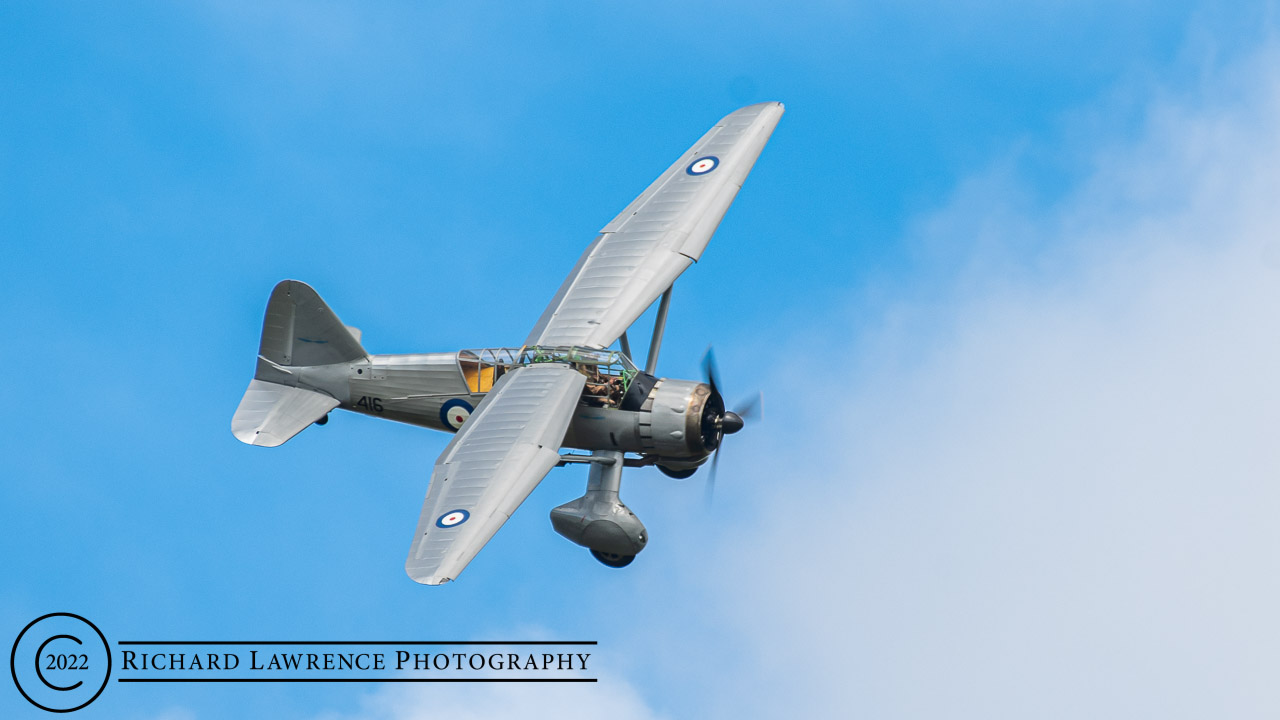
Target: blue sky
x: 1004, y: 275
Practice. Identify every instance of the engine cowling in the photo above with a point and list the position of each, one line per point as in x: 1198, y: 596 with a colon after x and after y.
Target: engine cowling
x: 678, y: 420
x: 675, y: 420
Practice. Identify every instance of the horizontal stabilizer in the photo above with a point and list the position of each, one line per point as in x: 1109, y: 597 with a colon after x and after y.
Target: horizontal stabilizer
x: 270, y: 413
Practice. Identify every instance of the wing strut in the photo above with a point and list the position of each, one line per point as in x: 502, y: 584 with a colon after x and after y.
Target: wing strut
x: 626, y: 345
x: 659, y: 326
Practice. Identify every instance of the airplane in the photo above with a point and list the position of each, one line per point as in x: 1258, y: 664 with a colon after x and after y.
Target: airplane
x: 513, y: 409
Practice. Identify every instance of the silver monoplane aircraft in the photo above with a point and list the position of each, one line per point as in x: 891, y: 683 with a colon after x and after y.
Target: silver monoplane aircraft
x: 514, y: 409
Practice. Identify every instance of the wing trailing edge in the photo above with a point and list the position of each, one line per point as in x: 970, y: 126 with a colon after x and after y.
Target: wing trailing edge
x: 499, y: 456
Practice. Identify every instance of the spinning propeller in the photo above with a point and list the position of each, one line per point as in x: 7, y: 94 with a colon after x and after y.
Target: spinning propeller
x: 718, y: 422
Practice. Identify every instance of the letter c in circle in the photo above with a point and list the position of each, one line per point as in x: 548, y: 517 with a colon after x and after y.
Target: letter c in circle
x: 40, y: 652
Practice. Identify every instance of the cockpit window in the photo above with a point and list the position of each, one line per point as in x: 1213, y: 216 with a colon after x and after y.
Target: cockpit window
x: 609, y: 372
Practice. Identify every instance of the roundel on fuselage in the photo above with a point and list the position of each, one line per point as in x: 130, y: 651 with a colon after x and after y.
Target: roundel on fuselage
x: 455, y: 412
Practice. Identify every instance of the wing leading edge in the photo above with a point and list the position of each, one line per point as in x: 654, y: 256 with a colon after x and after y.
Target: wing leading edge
x: 499, y: 456
x: 661, y: 233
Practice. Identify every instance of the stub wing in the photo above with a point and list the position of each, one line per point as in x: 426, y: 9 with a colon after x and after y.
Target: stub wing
x: 502, y: 452
x: 645, y: 248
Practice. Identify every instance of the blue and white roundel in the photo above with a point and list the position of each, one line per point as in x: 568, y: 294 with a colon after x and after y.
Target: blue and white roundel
x: 452, y: 518
x: 455, y: 412
x: 703, y: 165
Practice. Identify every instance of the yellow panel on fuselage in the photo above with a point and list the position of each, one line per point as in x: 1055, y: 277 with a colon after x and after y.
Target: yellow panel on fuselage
x: 479, y: 379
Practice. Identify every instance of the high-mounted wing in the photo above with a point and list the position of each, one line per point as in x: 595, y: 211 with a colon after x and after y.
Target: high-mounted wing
x: 502, y: 452
x: 645, y: 248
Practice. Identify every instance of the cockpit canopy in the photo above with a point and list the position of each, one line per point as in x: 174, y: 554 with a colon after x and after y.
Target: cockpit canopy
x: 609, y: 372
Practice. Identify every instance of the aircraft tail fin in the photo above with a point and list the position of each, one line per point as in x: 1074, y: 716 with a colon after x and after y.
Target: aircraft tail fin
x: 299, y: 331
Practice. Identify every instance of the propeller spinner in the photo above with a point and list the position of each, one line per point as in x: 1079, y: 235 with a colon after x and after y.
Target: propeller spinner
x: 716, y: 420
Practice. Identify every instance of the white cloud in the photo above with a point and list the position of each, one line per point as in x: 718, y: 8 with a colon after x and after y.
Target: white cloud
x: 1057, y: 497
x: 610, y: 697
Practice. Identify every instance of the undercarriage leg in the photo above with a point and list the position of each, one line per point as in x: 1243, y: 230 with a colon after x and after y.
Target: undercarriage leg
x: 598, y: 520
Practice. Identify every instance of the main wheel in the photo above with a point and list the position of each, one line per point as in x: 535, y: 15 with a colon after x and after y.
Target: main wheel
x: 678, y: 474
x: 613, y: 560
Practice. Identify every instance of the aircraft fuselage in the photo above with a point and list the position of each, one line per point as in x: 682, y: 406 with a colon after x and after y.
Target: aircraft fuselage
x: 660, y: 418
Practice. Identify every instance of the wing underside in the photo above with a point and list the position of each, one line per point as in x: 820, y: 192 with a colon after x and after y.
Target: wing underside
x: 502, y: 452
x: 661, y: 233
x: 512, y: 440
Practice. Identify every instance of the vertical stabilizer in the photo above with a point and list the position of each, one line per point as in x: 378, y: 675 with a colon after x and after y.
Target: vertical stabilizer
x: 301, y: 330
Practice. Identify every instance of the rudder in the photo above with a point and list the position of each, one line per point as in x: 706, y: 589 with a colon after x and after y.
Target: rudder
x: 300, y: 329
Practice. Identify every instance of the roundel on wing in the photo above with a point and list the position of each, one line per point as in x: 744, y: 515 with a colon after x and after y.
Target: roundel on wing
x: 703, y: 165
x: 452, y: 518
x: 455, y: 412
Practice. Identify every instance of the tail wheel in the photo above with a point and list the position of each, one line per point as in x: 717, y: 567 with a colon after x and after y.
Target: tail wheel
x: 613, y: 560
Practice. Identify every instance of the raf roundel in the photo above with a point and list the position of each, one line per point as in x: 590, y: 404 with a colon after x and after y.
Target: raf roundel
x: 452, y: 518
x: 702, y: 166
x: 455, y: 412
